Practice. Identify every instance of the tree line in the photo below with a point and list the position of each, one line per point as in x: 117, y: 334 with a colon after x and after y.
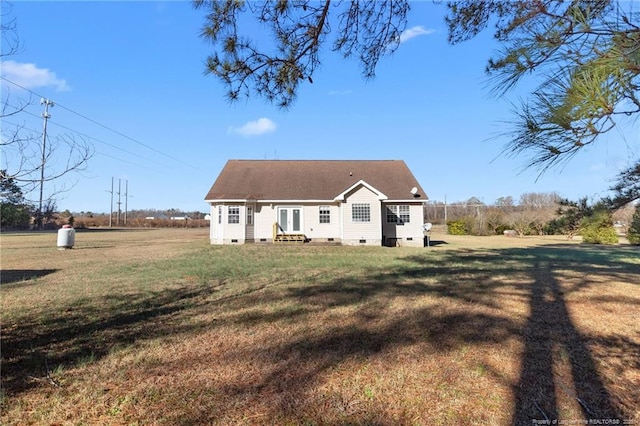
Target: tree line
x: 598, y: 222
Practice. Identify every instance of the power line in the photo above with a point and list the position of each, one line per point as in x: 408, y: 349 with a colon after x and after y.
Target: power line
x: 81, y: 134
x: 127, y: 137
x: 107, y: 143
x: 97, y: 140
x: 104, y: 126
x: 128, y: 162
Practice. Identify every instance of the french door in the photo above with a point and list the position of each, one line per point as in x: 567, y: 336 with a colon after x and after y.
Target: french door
x: 290, y: 220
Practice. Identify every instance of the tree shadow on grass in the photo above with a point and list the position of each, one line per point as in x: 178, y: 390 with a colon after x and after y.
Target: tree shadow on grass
x: 294, y: 364
x: 473, y: 277
x: 550, y: 329
x: 298, y: 365
x: 34, y: 346
x: 12, y: 276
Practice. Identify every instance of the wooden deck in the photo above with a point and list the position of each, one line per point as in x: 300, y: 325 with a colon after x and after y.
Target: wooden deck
x: 290, y: 238
x: 287, y: 238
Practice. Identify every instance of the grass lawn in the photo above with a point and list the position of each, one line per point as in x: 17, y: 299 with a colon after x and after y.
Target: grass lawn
x: 152, y: 327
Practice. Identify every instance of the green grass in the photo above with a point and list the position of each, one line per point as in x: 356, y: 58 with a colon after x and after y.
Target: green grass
x: 159, y: 327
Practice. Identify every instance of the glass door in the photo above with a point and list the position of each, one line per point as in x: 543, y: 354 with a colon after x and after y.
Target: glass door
x: 289, y: 220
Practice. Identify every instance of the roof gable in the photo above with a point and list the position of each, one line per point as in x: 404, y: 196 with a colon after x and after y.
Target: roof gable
x: 281, y: 180
x: 342, y: 196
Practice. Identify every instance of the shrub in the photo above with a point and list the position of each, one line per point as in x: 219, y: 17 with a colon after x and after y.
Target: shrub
x: 598, y: 228
x: 456, y: 227
x: 633, y: 234
x: 500, y: 229
x: 599, y: 235
x: 556, y: 226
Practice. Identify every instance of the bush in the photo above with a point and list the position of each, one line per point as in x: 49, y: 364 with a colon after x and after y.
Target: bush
x: 597, y: 227
x: 633, y: 234
x: 456, y: 227
x: 556, y: 226
x: 500, y: 229
x: 600, y: 235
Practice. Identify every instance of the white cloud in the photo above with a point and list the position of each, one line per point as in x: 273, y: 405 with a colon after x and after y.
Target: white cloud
x: 340, y: 92
x: 416, y: 31
x: 255, y: 128
x: 31, y: 77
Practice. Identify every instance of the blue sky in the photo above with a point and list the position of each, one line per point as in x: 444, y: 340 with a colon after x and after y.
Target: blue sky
x: 135, y: 69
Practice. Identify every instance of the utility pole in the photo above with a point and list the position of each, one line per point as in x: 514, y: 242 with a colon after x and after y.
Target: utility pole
x: 118, y: 203
x: 45, y: 116
x: 126, y: 200
x: 445, y: 210
x: 111, y: 210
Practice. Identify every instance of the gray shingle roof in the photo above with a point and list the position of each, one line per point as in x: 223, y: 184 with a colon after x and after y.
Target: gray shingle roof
x: 311, y: 179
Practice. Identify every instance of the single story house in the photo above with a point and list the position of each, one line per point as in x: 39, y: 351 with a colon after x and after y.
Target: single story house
x: 359, y: 202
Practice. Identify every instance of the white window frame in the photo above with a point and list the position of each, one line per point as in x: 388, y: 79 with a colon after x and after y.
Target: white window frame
x: 249, y: 215
x: 324, y: 214
x: 219, y: 215
x: 361, y: 213
x: 398, y: 214
x: 233, y: 215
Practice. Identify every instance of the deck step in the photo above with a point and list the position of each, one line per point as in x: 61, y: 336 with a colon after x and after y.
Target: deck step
x: 290, y: 238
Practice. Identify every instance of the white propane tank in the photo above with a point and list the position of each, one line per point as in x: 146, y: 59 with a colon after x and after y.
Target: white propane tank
x: 66, y: 237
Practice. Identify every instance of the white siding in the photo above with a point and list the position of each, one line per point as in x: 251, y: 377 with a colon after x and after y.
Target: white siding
x: 213, y: 224
x: 321, y: 231
x: 216, y: 230
x: 267, y: 214
x: 402, y: 233
x: 234, y: 233
x: 340, y: 229
x: 225, y: 232
x: 355, y: 232
x: 264, y: 218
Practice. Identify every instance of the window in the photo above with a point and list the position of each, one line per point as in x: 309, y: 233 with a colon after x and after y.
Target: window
x: 360, y: 212
x: 403, y: 212
x: 398, y: 214
x: 249, y: 215
x: 219, y: 214
x: 325, y: 214
x: 234, y: 214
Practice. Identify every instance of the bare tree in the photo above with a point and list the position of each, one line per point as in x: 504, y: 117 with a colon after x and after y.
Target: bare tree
x: 10, y: 40
x: 495, y: 217
x: 539, y: 208
x: 622, y: 217
x: 505, y: 203
x: 27, y: 160
x: 10, y: 46
x: 540, y: 200
x: 520, y: 221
